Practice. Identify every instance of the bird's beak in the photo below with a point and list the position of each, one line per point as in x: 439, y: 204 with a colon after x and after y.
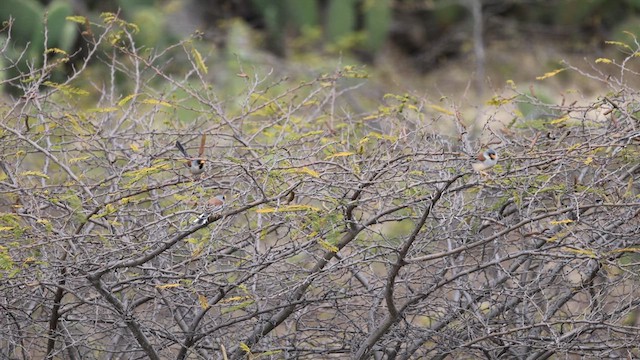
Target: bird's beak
x: 492, y: 156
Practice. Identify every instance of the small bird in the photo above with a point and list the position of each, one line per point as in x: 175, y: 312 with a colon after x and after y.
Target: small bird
x: 195, y: 165
x: 290, y: 197
x: 214, y: 204
x: 486, y: 160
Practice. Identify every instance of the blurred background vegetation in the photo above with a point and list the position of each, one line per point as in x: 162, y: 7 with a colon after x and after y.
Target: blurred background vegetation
x: 404, y: 42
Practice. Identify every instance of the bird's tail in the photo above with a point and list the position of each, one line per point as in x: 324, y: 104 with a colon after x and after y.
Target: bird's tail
x: 181, y: 148
x: 202, y: 219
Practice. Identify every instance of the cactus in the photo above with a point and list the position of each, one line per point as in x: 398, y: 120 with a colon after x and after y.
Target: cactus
x: 274, y: 15
x: 341, y: 19
x: 339, y: 24
x: 28, y: 35
x: 377, y: 21
x: 27, y: 29
x: 304, y: 13
x: 62, y: 34
x: 152, y: 23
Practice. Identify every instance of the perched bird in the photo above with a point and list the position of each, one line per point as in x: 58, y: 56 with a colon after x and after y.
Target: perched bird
x: 486, y: 160
x: 214, y: 204
x: 290, y: 197
x: 195, y: 165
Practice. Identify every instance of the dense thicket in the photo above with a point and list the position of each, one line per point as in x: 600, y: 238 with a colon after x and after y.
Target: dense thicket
x: 347, y: 231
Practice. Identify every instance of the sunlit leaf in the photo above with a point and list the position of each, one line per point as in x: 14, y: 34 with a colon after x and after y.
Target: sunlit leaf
x: 621, y: 44
x: 304, y: 170
x: 108, y: 210
x: 340, y: 154
x: 603, y: 60
x: 77, y: 19
x: 67, y: 89
x: 34, y: 173
x: 559, y: 222
x: 371, y: 117
x: 199, y: 61
x: 168, y: 286
x: 143, y: 173
x: 589, y: 253
x: 204, y: 303
x: 573, y: 147
x: 234, y: 299
x: 354, y: 72
x: 6, y: 261
x: 245, y: 348
x: 78, y: 123
x: 625, y: 250
x: 126, y: 99
x: 308, y: 134
x: 442, y: 110
x: 157, y: 102
x: 376, y: 135
x: 56, y: 51
x: 239, y: 306
x: 559, y: 120
x: 550, y: 74
x: 103, y: 110
x: 78, y: 159
x: 328, y: 246
x: 287, y: 208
